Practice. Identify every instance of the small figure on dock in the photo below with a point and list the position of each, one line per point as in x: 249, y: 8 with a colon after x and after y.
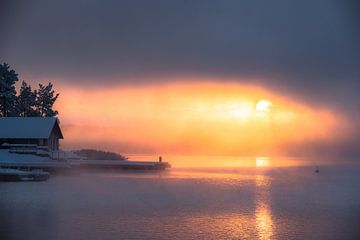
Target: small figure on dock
x: 160, y: 159
x: 317, y: 169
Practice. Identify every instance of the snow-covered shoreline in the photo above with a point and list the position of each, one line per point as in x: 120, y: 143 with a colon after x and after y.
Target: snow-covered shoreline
x: 8, y: 159
x: 14, y: 160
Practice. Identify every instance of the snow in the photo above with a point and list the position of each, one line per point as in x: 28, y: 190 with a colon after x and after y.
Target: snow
x: 6, y: 156
x: 26, y: 127
x: 116, y: 162
x: 24, y: 175
x: 27, y: 160
x: 8, y: 159
x: 12, y: 171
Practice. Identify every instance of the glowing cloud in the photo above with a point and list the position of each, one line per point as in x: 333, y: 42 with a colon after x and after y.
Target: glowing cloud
x: 207, y: 118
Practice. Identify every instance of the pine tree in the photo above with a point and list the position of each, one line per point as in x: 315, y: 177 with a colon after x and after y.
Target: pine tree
x: 45, y: 99
x: 8, y: 78
x: 26, y: 101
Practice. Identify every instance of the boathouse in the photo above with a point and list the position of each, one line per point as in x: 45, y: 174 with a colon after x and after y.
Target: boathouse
x: 40, y: 131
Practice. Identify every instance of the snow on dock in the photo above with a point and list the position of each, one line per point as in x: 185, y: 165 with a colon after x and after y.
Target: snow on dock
x: 120, y: 164
x: 52, y: 162
x: 19, y: 175
x: 29, y: 161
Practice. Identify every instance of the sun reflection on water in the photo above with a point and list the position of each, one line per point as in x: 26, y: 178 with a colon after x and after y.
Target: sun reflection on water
x: 244, y: 214
x: 263, y: 216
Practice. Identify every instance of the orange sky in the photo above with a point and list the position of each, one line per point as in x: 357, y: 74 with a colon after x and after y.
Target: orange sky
x: 199, y: 118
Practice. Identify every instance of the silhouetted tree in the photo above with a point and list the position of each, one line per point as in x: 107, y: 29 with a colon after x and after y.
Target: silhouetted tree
x: 8, y: 78
x: 26, y: 102
x: 93, y: 154
x: 45, y: 99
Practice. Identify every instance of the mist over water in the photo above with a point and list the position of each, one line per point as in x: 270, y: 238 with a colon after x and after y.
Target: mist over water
x: 235, y: 162
x: 183, y: 203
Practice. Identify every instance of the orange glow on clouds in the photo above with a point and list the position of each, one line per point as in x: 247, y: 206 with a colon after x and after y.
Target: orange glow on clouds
x: 210, y: 118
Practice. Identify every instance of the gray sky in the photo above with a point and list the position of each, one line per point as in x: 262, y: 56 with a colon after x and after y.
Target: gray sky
x: 309, y: 49
x: 306, y: 49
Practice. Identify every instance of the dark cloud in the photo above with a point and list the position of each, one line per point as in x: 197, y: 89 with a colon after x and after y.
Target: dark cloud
x: 308, y: 48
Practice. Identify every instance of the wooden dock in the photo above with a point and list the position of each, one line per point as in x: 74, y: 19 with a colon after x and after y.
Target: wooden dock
x: 56, y: 166
x: 15, y: 175
x: 120, y: 164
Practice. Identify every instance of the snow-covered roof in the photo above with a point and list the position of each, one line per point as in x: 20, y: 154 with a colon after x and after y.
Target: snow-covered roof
x: 28, y: 127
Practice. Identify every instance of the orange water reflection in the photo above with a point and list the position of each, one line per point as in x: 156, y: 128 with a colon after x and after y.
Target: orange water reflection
x: 264, y: 223
x: 244, y: 223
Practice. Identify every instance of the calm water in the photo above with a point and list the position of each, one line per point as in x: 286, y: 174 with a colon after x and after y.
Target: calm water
x: 280, y: 203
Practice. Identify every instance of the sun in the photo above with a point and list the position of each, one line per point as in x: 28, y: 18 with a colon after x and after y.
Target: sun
x: 264, y: 106
x: 262, y: 162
